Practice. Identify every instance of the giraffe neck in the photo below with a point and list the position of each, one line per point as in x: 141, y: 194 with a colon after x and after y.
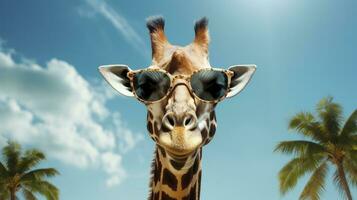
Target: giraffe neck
x: 178, y: 179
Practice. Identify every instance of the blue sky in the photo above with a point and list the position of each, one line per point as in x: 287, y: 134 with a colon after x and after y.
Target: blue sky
x: 52, y: 96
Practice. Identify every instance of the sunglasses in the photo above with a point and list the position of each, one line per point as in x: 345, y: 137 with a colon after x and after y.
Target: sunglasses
x: 152, y: 85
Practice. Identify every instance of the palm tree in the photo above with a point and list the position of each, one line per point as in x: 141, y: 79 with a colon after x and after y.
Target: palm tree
x: 330, y: 144
x: 17, y: 174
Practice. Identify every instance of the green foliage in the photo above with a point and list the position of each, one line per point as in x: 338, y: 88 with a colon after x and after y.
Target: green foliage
x: 296, y: 168
x: 11, y: 153
x: 315, y: 185
x: 330, y: 114
x: 30, y: 159
x: 28, y: 195
x: 333, y: 143
x: 306, y: 124
x: 350, y: 127
x: 350, y: 165
x: 300, y: 148
x: 17, y: 174
x: 43, y: 187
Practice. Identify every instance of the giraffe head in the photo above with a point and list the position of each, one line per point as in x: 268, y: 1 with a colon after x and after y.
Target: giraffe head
x: 180, y: 122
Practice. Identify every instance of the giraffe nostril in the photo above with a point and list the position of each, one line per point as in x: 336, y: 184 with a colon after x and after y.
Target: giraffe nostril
x: 168, y: 122
x: 171, y: 120
x: 188, y: 120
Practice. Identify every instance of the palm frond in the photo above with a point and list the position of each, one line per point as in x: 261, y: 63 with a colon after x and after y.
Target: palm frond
x: 4, y: 192
x: 352, y: 154
x: 346, y: 142
x: 11, y: 153
x: 30, y: 159
x: 296, y: 168
x: 340, y: 181
x: 3, y: 170
x: 45, y: 188
x: 350, y: 165
x: 306, y: 124
x: 39, y: 174
x: 350, y: 126
x: 330, y: 114
x: 300, y: 148
x: 316, y: 183
x: 354, y: 139
x: 28, y: 195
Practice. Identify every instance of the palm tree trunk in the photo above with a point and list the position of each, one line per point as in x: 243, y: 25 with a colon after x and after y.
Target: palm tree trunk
x: 12, y: 194
x: 344, y: 183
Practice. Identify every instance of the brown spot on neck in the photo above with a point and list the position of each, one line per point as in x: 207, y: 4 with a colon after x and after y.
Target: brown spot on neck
x: 172, y: 182
x: 188, y: 177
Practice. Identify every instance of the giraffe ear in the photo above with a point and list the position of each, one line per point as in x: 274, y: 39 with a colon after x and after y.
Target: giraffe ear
x: 241, y: 77
x: 116, y: 76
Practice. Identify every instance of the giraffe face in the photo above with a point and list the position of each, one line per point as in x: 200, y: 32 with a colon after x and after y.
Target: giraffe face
x: 180, y: 123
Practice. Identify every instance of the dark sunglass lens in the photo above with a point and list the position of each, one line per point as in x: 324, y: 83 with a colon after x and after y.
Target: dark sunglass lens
x: 151, y: 85
x: 209, y: 85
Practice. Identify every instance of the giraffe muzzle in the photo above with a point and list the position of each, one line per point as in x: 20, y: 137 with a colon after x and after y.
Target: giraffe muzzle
x: 181, y: 134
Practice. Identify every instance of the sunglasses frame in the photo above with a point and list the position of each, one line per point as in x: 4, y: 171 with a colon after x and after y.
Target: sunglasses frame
x: 187, y: 82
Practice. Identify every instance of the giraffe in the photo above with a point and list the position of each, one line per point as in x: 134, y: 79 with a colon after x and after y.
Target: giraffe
x: 179, y: 123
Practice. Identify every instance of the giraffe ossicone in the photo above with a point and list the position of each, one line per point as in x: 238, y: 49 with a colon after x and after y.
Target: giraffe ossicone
x: 180, y: 90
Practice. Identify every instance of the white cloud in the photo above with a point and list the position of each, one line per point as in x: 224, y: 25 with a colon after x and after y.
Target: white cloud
x: 55, y: 109
x: 118, y: 21
x: 111, y: 161
x: 6, y: 59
